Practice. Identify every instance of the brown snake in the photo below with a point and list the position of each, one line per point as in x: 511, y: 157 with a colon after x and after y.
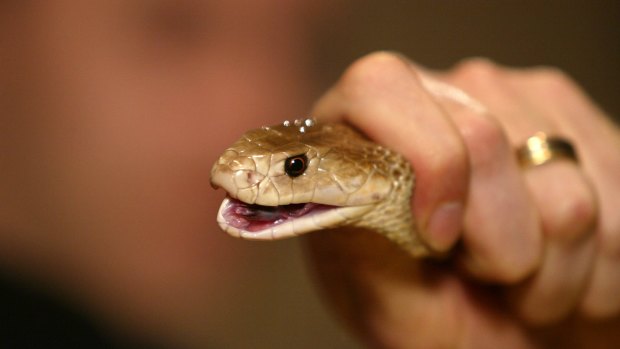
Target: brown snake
x: 303, y: 175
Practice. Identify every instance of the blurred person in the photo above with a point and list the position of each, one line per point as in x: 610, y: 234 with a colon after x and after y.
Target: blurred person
x: 113, y: 112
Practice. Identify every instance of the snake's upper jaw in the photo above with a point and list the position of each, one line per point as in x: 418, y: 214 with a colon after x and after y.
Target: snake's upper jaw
x: 258, y: 222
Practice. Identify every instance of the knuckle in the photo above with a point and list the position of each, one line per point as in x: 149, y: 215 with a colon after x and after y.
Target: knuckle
x: 553, y: 81
x: 581, y: 208
x: 507, y: 269
x: 374, y: 68
x: 520, y: 267
x: 485, y: 139
x: 574, y: 216
x: 477, y: 69
x: 514, y: 273
x: 551, y: 75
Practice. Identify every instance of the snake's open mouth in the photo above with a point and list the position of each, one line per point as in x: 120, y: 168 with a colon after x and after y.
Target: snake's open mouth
x: 259, y: 222
x: 255, y: 218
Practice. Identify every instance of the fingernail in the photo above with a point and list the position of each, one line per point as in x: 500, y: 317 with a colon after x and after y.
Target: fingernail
x: 444, y: 226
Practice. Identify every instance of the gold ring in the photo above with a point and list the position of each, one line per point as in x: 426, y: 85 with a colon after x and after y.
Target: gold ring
x: 541, y: 149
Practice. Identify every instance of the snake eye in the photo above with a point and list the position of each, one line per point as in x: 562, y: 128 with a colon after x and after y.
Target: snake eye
x: 296, y: 165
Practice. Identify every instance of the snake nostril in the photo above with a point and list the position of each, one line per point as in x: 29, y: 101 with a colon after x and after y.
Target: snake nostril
x: 246, y: 179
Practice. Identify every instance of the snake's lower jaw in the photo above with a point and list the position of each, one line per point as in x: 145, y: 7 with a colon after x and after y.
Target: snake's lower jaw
x: 256, y: 222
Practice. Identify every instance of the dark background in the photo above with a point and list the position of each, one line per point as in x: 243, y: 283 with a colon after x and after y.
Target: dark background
x: 580, y: 37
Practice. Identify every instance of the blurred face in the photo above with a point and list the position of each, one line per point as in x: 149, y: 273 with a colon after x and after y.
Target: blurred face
x: 111, y: 114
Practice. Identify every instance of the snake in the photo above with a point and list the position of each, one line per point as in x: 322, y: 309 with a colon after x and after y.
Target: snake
x: 306, y: 175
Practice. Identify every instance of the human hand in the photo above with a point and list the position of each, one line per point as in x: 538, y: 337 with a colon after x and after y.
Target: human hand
x: 532, y: 252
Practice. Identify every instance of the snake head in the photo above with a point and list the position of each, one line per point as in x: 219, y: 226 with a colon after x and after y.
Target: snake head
x: 301, y: 176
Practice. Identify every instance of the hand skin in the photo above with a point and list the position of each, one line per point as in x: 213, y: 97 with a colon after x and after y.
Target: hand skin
x: 531, y: 254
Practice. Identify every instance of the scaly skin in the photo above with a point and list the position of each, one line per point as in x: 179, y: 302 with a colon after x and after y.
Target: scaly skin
x: 371, y: 185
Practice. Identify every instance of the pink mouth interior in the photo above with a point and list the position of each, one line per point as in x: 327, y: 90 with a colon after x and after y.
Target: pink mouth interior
x: 253, y: 218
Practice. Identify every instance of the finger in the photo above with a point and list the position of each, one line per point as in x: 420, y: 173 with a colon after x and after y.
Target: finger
x: 598, y: 141
x: 503, y: 239
x: 381, y: 96
x: 561, y: 195
x: 502, y: 235
x: 568, y: 205
x: 601, y: 161
x: 565, y: 204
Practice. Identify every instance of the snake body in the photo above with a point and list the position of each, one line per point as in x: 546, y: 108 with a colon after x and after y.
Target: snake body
x: 303, y: 175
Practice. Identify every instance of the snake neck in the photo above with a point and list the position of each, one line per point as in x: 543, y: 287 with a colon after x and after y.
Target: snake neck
x: 393, y: 218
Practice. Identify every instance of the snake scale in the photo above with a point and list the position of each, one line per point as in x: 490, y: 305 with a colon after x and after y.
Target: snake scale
x: 303, y: 175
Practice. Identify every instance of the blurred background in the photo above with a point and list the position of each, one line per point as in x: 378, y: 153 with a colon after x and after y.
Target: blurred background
x: 149, y: 268
x: 580, y: 37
